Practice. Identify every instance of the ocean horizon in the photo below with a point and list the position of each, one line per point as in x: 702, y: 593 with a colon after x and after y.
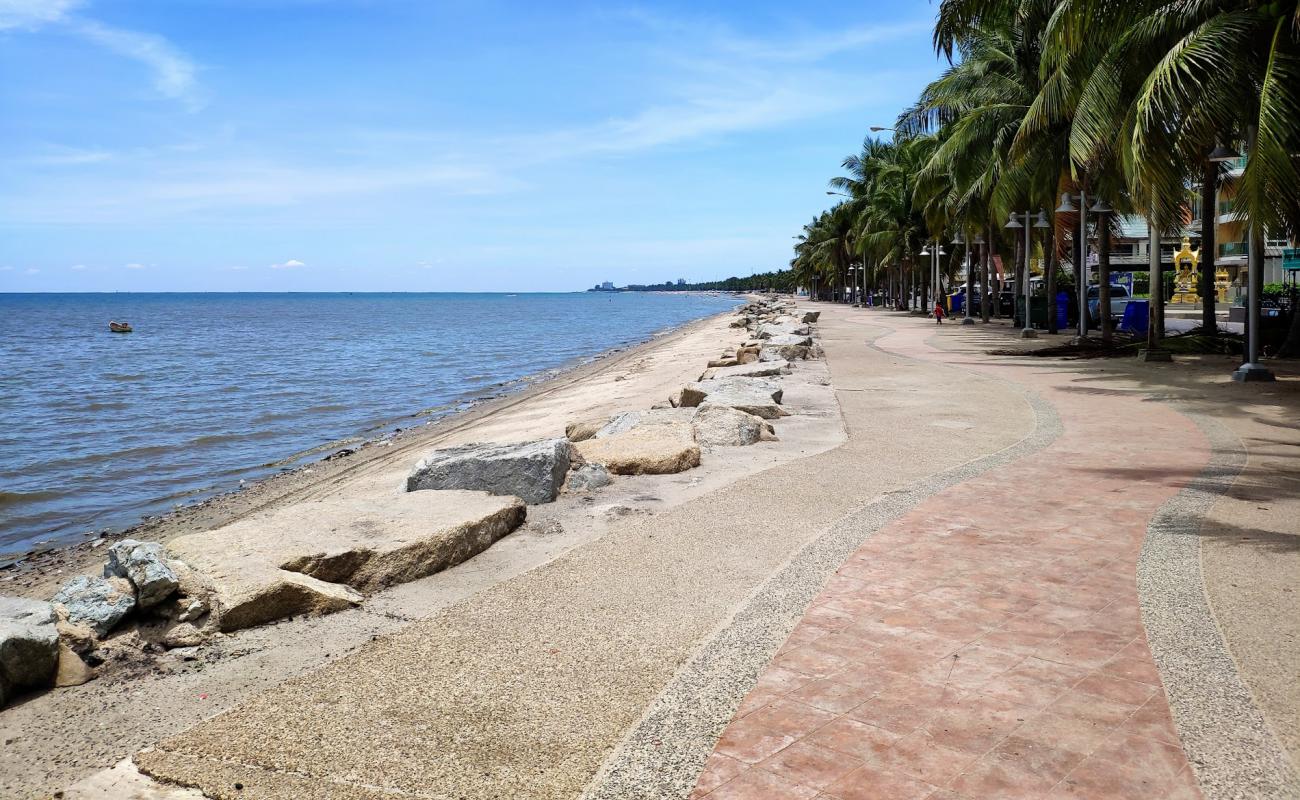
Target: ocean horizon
x: 215, y: 388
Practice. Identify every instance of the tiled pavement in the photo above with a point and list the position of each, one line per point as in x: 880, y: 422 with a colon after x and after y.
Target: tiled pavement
x: 989, y: 644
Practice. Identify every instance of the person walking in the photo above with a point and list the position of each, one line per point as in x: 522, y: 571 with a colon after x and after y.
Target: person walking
x: 938, y: 313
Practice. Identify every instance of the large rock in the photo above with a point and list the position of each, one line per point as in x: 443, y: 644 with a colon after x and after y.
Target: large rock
x: 657, y: 449
x: 784, y: 353
x: 72, y: 670
x: 97, y: 603
x: 627, y: 420
x: 770, y: 329
x: 811, y: 316
x: 724, y: 426
x: 588, y: 477
x: 29, y: 645
x: 790, y: 338
x: 758, y: 396
x: 533, y: 471
x: 145, y: 566
x: 317, y: 557
x: 756, y: 370
x: 584, y: 429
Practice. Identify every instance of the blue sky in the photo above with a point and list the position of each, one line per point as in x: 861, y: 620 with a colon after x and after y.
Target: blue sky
x: 196, y: 145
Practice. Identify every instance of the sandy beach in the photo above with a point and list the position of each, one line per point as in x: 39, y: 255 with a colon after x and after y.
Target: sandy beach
x: 610, y: 647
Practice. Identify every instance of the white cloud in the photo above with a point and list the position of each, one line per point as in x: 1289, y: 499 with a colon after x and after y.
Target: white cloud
x: 31, y: 271
x: 135, y: 266
x: 78, y: 267
x: 292, y: 263
x: 173, y: 71
x: 237, y: 268
x: 6, y: 268
x: 32, y: 14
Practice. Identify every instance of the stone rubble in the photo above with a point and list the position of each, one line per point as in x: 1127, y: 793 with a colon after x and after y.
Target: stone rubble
x: 29, y: 646
x: 531, y: 471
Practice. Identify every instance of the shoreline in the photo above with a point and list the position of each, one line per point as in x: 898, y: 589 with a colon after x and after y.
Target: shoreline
x: 36, y: 573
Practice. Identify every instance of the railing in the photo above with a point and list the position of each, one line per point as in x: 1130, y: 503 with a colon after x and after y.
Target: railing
x: 1229, y: 249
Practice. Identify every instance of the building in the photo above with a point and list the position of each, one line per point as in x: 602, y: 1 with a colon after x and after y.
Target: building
x: 1231, y: 232
x: 681, y: 281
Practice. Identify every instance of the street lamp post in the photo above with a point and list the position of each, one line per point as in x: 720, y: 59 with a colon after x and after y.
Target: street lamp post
x: 1081, y: 268
x: 934, y: 271
x: 1028, y: 332
x: 966, y: 318
x: 1252, y: 370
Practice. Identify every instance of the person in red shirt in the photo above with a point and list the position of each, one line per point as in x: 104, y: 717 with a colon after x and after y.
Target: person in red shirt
x: 938, y: 313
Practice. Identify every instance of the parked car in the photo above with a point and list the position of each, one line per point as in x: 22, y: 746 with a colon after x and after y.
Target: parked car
x: 1119, y: 298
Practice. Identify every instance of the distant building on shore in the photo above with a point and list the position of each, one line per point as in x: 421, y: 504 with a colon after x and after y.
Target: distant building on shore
x: 607, y: 286
x: 681, y: 281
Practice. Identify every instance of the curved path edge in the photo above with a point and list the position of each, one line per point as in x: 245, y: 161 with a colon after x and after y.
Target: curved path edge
x: 664, y: 753
x: 1227, y: 740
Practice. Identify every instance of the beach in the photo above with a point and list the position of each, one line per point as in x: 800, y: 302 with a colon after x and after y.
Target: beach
x: 608, y: 647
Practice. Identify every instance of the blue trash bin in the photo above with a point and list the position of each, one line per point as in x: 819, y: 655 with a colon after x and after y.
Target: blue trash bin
x: 1135, y: 316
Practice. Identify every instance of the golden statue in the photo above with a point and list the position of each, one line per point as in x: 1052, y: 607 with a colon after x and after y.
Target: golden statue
x: 1186, y: 262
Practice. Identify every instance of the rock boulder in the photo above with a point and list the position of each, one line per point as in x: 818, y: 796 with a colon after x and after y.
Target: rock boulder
x: 584, y: 429
x: 588, y: 477
x: 811, y: 316
x: 29, y: 645
x: 724, y: 426
x: 533, y: 471
x: 789, y: 338
x: 317, y: 557
x: 758, y: 396
x: 98, y: 603
x: 760, y: 369
x: 645, y: 449
x: 145, y: 566
x: 784, y: 353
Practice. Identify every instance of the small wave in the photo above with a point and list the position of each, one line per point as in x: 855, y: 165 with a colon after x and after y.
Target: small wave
x: 325, y: 409
x: 123, y: 377
x: 19, y: 498
x: 110, y: 406
x: 219, y: 438
x: 230, y: 389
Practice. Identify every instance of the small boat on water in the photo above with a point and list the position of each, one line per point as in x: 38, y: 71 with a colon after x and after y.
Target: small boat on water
x: 119, y: 327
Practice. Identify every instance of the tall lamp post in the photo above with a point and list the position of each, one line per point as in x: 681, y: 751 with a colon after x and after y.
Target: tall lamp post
x: 934, y: 269
x: 965, y: 303
x: 1013, y: 221
x: 982, y: 257
x: 1252, y: 370
x: 1081, y: 268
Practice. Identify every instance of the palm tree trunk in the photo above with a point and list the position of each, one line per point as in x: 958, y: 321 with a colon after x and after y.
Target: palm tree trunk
x: 1155, y: 319
x: 984, y: 277
x: 1021, y: 279
x: 1209, y: 177
x: 1049, y: 267
x: 1103, y: 279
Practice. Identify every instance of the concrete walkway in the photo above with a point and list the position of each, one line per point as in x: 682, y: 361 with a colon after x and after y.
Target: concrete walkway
x: 524, y: 689
x: 989, y: 643
x: 961, y: 601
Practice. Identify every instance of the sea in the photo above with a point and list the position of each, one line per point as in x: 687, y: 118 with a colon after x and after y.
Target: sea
x: 101, y: 429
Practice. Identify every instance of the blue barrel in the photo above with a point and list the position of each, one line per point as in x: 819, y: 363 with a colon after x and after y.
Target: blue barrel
x: 1135, y: 317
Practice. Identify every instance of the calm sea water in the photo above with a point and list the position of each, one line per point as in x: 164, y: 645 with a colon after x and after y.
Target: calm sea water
x: 101, y: 429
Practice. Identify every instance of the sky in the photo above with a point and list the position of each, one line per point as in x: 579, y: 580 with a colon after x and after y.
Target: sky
x: 420, y: 145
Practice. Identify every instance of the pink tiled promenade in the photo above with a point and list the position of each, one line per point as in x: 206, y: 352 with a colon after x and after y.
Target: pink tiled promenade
x: 989, y: 644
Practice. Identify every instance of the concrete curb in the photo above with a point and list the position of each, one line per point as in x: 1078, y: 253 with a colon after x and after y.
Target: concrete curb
x: 663, y: 754
x: 1225, y: 737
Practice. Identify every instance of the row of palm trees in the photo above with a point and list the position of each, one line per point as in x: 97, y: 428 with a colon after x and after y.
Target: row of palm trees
x: 1133, y: 103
